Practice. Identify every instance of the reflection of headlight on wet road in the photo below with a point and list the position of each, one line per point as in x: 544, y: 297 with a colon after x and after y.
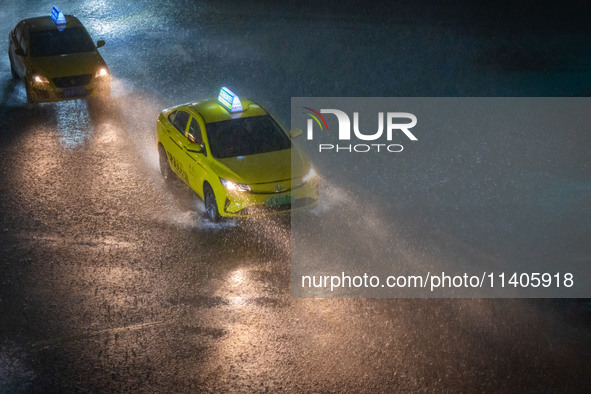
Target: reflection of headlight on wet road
x: 237, y: 283
x: 74, y: 126
x: 237, y: 277
x: 237, y: 301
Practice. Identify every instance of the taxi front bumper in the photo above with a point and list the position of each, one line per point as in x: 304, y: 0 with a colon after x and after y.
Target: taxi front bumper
x: 58, y: 90
x: 244, y: 204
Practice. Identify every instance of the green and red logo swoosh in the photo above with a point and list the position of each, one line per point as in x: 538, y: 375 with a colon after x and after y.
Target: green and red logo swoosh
x: 317, y: 117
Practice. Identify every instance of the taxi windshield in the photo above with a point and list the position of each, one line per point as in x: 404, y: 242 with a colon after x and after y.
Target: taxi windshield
x: 55, y: 42
x: 246, y: 136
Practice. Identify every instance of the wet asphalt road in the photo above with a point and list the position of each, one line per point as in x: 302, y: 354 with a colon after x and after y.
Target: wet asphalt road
x: 110, y: 280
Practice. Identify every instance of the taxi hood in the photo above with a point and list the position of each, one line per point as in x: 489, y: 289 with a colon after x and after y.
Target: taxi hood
x: 266, y: 167
x: 66, y: 65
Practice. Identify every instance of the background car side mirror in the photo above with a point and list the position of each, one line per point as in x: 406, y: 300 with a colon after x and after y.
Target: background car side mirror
x: 19, y: 52
x: 100, y: 43
x: 194, y: 148
x: 294, y: 133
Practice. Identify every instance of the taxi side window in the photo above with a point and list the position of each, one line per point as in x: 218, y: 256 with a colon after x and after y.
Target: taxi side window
x: 18, y: 32
x: 171, y: 117
x: 180, y: 121
x: 194, y: 133
x: 23, y: 45
x: 22, y: 41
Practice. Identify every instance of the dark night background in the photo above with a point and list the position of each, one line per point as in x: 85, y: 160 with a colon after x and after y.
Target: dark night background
x: 112, y: 281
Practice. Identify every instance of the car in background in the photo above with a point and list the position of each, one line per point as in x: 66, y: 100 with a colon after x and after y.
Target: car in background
x: 236, y: 157
x: 57, y: 60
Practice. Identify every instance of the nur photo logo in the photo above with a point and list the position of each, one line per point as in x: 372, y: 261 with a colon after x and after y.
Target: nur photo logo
x: 390, y: 125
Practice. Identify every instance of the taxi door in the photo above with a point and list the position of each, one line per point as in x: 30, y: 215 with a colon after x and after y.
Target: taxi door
x: 18, y: 41
x: 177, y: 142
x: 196, y: 164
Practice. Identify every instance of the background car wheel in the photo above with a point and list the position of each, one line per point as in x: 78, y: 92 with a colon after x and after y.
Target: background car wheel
x: 211, y: 206
x: 29, y: 95
x: 164, y: 166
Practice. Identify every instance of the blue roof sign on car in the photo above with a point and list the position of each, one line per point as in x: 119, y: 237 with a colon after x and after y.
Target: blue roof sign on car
x: 229, y: 100
x: 57, y: 16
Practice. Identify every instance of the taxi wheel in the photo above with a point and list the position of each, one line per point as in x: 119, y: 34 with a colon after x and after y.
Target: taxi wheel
x: 211, y: 206
x: 164, y: 166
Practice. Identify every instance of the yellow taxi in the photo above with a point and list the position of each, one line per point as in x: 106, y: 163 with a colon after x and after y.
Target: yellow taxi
x: 236, y: 157
x: 57, y: 60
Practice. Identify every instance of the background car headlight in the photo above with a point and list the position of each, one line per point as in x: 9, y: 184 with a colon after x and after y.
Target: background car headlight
x: 234, y: 187
x: 40, y: 79
x: 310, y: 175
x: 101, y: 72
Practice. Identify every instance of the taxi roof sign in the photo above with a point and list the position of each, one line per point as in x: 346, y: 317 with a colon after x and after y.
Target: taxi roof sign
x: 229, y: 100
x: 57, y: 16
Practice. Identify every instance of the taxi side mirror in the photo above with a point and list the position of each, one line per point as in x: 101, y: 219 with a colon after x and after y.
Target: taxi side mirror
x: 19, y: 52
x: 100, y: 43
x: 194, y: 148
x: 295, y: 133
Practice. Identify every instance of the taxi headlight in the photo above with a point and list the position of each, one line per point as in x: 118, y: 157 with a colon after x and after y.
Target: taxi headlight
x: 101, y: 72
x: 310, y: 175
x: 40, y: 80
x: 234, y: 187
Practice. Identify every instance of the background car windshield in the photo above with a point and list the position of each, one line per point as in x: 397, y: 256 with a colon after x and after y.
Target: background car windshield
x: 246, y: 136
x: 55, y: 42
